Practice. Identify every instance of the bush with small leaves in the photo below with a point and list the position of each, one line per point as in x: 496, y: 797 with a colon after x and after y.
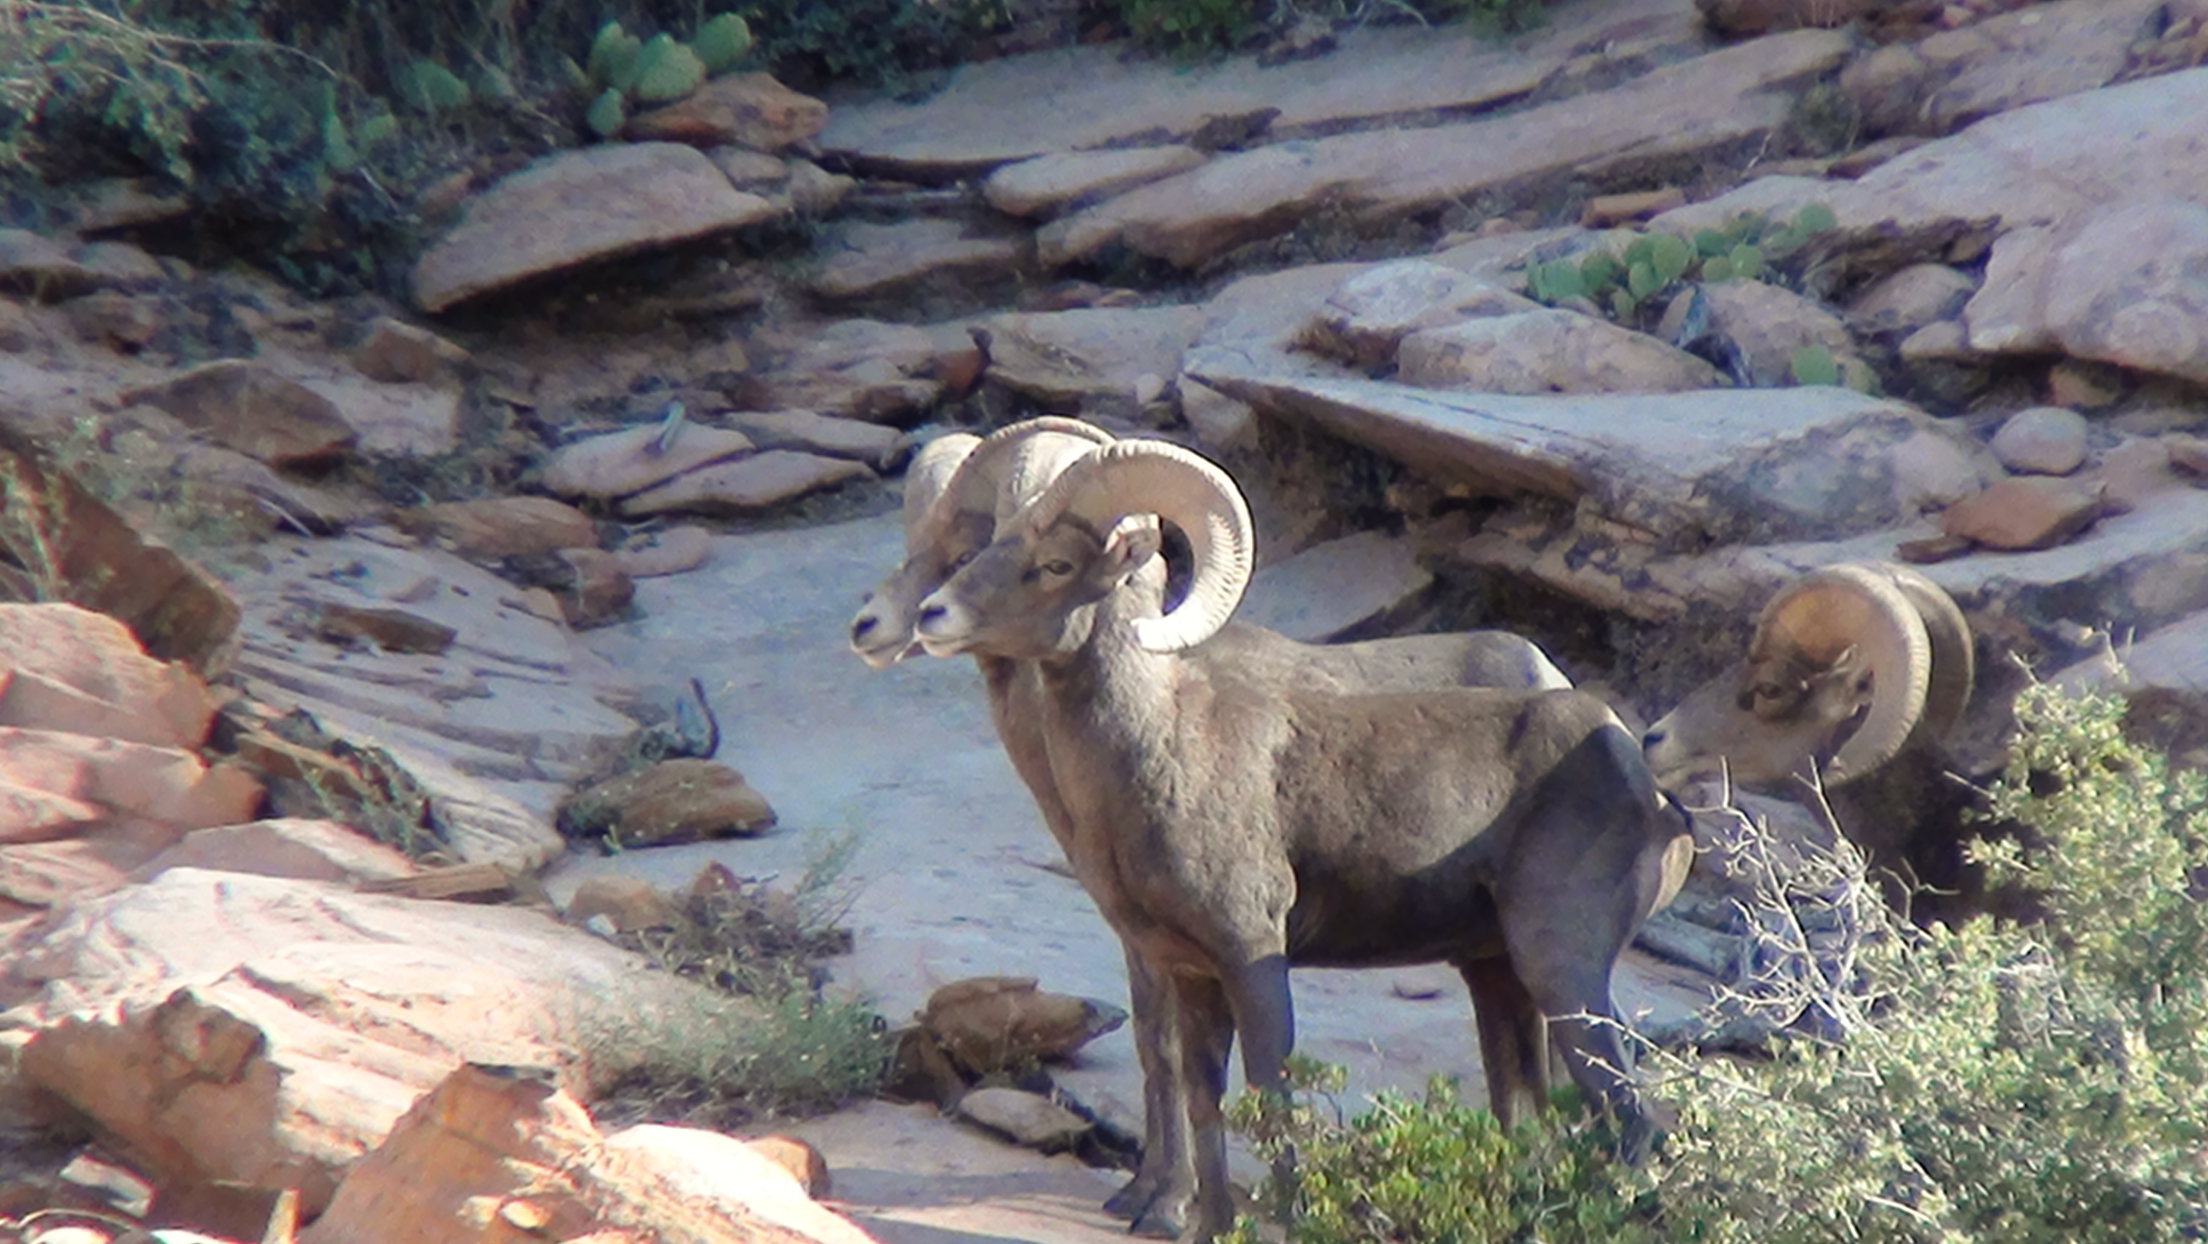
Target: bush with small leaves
x: 1653, y: 266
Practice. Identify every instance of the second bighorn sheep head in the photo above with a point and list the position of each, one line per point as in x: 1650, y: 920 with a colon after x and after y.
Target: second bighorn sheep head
x: 1095, y: 527
x: 957, y: 490
x: 1875, y: 646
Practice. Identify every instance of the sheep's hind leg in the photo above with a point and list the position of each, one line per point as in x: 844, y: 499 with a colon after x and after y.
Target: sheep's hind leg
x: 1514, y: 1038
x: 1568, y: 975
x: 1156, y: 1199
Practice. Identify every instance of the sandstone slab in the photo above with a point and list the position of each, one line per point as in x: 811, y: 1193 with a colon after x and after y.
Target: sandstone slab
x: 67, y: 668
x: 249, y: 407
x: 994, y: 1024
x: 743, y: 1178
x: 31, y: 263
x: 1319, y: 593
x: 739, y: 109
x: 1077, y: 98
x: 577, y: 207
x: 294, y: 848
x: 1767, y: 326
x: 816, y: 433
x: 1719, y: 102
x: 746, y: 485
x: 2023, y: 513
x: 1722, y: 465
x: 1366, y: 319
x: 1548, y: 351
x: 1028, y: 1119
x: 397, y: 352
x: 1064, y: 181
x: 672, y: 550
x: 866, y: 369
x: 1105, y: 360
x: 1907, y: 300
x: 871, y: 260
x: 620, y: 464
x: 495, y: 527
x: 301, y: 1021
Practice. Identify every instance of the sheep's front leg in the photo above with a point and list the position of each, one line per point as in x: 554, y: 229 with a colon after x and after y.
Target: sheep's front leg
x: 1207, y: 1036
x: 1157, y: 1198
x: 1514, y: 1038
x: 1265, y: 1020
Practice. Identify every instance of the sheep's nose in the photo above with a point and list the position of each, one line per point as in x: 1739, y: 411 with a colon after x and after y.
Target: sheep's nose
x: 933, y: 613
x: 1652, y: 739
x: 864, y: 626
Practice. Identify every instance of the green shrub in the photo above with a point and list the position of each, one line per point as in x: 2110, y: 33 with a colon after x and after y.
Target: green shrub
x: 1999, y: 1082
x: 1655, y: 265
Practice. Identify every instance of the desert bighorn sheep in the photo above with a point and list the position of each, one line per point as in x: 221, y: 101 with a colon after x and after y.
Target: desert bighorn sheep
x: 1859, y: 671
x: 1230, y: 825
x: 950, y: 513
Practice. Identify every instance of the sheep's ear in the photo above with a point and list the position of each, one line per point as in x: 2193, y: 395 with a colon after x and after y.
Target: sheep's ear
x: 1130, y: 545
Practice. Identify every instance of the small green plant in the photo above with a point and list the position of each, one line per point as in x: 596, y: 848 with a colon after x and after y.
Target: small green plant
x: 1189, y: 27
x: 1653, y: 266
x: 721, y: 42
x: 666, y: 70
x: 1813, y: 364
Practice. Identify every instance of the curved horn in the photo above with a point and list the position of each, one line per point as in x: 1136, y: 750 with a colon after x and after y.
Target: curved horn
x: 1954, y: 656
x: 1183, y: 488
x: 1008, y: 469
x: 1825, y: 613
x: 926, y: 477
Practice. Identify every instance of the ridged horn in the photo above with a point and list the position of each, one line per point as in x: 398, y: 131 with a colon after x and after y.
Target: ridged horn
x: 1954, y: 654
x: 1008, y: 469
x: 1826, y: 612
x: 1181, y: 487
x: 927, y: 475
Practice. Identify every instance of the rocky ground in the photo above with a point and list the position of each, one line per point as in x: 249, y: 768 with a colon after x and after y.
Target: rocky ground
x: 338, y: 612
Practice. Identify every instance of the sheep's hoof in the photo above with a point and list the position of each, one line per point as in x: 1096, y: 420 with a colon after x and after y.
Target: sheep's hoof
x: 1165, y: 1218
x: 1130, y: 1201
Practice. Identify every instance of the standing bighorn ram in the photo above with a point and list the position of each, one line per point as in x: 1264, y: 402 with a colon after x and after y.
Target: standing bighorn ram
x: 1230, y: 826
x: 958, y: 491
x: 1858, y: 672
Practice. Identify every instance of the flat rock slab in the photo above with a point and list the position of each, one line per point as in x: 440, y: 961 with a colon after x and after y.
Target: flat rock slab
x: 1096, y: 96
x: 1717, y: 102
x: 1106, y: 359
x: 494, y: 728
x: 746, y: 485
x: 1049, y: 184
x: 816, y: 433
x: 1718, y: 464
x: 872, y: 260
x: 2040, y: 165
x: 1329, y: 588
x: 577, y: 207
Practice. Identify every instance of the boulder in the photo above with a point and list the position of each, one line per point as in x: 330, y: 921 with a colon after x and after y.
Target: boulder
x: 1548, y: 351
x: 1323, y: 591
x: 66, y: 668
x: 1366, y: 319
x: 589, y: 584
x: 621, y: 464
x: 34, y: 264
x: 2041, y: 440
x: 1906, y: 300
x: 496, y: 527
x: 2125, y: 285
x: 577, y: 207
x: 746, y: 485
x: 995, y: 1024
x: 629, y: 904
x: 2024, y: 512
x: 497, y: 1153
x: 670, y: 550
x: 1065, y: 181
x: 249, y: 407
x: 865, y: 260
x: 1027, y: 1119
x: 1766, y: 326
x: 267, y: 1032
x: 685, y: 800
x: 1097, y: 360
x: 117, y: 320
x: 397, y: 352
x: 94, y: 558
x: 866, y: 369
x: 739, y: 109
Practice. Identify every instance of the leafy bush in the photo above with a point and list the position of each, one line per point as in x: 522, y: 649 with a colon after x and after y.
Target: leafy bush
x: 2001, y: 1083
x: 1655, y: 265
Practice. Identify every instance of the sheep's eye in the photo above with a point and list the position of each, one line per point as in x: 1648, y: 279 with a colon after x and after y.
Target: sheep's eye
x: 1059, y: 568
x: 959, y: 562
